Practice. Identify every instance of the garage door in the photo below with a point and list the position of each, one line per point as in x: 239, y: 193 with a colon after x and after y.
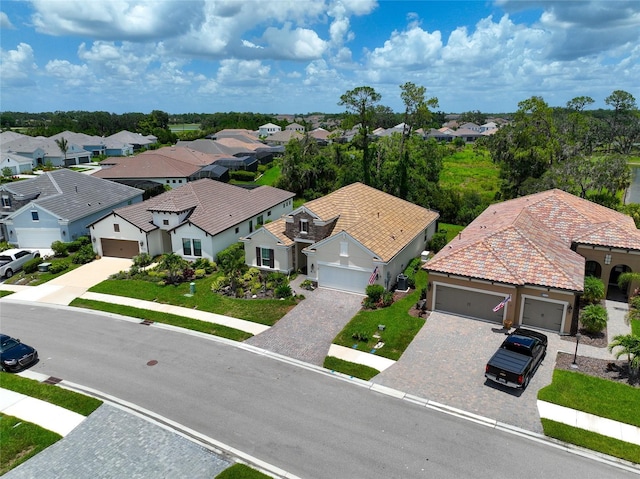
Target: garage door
x: 542, y: 314
x: 343, y: 279
x: 119, y: 248
x: 465, y: 302
x: 37, y: 237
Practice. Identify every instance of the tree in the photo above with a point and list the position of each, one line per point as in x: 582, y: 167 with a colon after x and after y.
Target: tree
x: 630, y: 346
x: 624, y: 124
x: 360, y: 104
x: 416, y: 109
x: 63, y: 144
x: 174, y: 265
x: 231, y: 261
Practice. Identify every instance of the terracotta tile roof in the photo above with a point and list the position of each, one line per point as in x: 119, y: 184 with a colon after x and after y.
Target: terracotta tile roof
x: 381, y: 222
x: 277, y: 229
x: 528, y: 241
x: 216, y: 206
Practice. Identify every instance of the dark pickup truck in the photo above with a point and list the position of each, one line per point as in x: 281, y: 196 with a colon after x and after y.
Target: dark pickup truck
x: 517, y: 359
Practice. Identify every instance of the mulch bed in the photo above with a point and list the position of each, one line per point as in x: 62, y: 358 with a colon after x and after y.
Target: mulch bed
x: 599, y: 340
x: 602, y: 368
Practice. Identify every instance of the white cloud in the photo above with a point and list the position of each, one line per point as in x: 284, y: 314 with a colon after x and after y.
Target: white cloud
x: 242, y: 72
x: 71, y: 75
x: 298, y: 44
x: 412, y: 48
x: 5, y: 23
x: 18, y: 66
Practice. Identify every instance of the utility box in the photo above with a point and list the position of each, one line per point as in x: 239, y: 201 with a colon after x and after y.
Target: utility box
x: 44, y: 267
x: 402, y: 282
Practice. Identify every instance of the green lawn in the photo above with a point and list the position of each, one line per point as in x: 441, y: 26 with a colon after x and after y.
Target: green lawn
x: 350, y: 369
x: 241, y: 471
x: 5, y: 293
x: 452, y: 230
x: 592, y: 440
x: 165, y: 318
x: 34, y: 279
x: 472, y: 171
x: 400, y: 327
x: 269, y: 177
x: 21, y: 441
x: 635, y: 327
x: 601, y: 397
x: 262, y: 311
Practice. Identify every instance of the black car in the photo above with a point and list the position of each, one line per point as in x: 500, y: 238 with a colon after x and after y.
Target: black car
x: 14, y: 355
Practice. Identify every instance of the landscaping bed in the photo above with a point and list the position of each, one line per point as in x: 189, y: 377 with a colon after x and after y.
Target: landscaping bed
x: 602, y: 368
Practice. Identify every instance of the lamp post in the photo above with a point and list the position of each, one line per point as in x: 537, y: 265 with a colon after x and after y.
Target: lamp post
x: 574, y: 364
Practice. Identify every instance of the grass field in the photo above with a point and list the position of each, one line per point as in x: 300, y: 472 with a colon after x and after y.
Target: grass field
x: 184, y: 127
x: 470, y: 170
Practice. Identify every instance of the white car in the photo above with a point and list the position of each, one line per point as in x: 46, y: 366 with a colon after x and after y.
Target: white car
x: 12, y: 260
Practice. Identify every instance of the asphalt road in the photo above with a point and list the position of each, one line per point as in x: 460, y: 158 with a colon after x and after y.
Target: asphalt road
x: 310, y: 424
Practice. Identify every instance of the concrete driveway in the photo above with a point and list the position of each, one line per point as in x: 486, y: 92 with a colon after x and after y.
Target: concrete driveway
x: 445, y: 363
x: 66, y: 287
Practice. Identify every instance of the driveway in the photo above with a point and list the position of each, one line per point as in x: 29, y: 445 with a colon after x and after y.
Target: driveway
x: 445, y: 363
x: 66, y: 287
x: 307, y: 331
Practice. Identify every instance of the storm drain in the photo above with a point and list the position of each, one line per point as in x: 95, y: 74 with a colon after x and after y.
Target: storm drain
x: 146, y: 322
x: 52, y: 380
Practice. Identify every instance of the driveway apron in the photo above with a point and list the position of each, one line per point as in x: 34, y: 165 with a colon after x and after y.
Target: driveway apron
x: 306, y: 332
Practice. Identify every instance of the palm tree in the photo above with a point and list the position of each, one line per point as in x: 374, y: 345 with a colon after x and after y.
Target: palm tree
x: 630, y: 345
x: 63, y: 144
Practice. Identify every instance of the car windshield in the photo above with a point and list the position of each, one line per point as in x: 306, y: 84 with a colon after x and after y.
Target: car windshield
x: 8, y: 344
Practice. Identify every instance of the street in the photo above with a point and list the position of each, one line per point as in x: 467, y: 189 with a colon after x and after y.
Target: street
x: 306, y: 422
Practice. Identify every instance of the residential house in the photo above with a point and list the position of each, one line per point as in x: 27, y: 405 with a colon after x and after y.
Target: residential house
x: 197, y: 220
x: 536, y: 251
x: 15, y: 163
x: 295, y: 127
x: 93, y: 144
x: 170, y: 166
x: 346, y: 240
x: 57, y: 206
x: 136, y: 140
x: 45, y: 151
x: 283, y: 137
x: 268, y: 129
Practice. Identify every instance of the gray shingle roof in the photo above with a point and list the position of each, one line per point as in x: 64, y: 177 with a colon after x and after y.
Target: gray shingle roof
x: 71, y: 195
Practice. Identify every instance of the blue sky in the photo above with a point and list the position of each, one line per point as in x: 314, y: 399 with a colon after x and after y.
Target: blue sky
x: 299, y: 56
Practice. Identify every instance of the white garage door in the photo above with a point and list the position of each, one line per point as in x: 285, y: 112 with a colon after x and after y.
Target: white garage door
x: 542, y: 314
x: 37, y: 237
x: 343, y: 279
x: 467, y: 302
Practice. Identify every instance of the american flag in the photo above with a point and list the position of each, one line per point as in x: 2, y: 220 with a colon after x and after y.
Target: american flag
x: 501, y: 304
x: 372, y: 278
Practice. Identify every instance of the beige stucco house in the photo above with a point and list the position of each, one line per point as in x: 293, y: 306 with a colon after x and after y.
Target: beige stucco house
x: 536, y: 251
x: 346, y: 240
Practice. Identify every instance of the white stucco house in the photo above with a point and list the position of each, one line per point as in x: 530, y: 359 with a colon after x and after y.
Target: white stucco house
x: 268, y: 129
x: 346, y: 240
x: 196, y: 220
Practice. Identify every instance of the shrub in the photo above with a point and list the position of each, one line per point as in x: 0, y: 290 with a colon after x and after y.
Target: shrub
x: 142, y: 260
x: 438, y: 241
x: 283, y: 291
x: 242, y: 175
x: 593, y: 289
x: 58, y: 267
x: 374, y: 292
x: 634, y: 302
x: 219, y: 283
x: 84, y: 255
x: 594, y: 318
x: 31, y: 266
x: 364, y: 337
x: 78, y: 243
x: 387, y: 299
x: 60, y: 249
x: 200, y: 273
x: 206, y: 264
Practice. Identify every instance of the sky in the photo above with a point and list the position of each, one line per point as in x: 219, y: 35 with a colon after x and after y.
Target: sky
x: 300, y: 56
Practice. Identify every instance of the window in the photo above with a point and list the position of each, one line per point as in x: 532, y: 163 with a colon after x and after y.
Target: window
x: 34, y: 216
x: 186, y: 246
x: 304, y: 227
x: 6, y: 202
x: 237, y: 230
x: 197, y: 247
x: 116, y: 227
x: 260, y: 220
x: 165, y: 222
x: 344, y: 248
x: 191, y: 247
x: 268, y: 213
x: 264, y: 257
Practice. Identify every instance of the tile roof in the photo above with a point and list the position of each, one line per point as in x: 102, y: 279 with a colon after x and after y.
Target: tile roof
x: 72, y: 195
x: 216, y: 206
x: 277, y: 229
x: 163, y: 163
x: 528, y: 241
x: 128, y: 137
x: 381, y: 222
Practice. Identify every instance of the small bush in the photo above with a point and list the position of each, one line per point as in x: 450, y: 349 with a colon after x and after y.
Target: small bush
x: 31, y: 266
x: 60, y: 249
x: 593, y: 289
x: 594, y: 318
x: 634, y: 302
x: 364, y: 337
x: 438, y: 241
x: 242, y: 175
x: 200, y: 273
x: 74, y: 246
x: 84, y: 255
x: 283, y: 291
x: 142, y: 260
x: 58, y: 267
x: 374, y: 292
x: 219, y: 283
x: 387, y: 299
x: 206, y: 264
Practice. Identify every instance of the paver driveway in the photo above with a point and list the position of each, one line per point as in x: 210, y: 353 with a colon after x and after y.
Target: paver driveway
x: 445, y: 363
x: 306, y: 332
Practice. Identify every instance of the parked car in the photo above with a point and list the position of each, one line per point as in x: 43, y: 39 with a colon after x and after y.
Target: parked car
x: 12, y: 260
x: 517, y: 359
x: 14, y: 355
